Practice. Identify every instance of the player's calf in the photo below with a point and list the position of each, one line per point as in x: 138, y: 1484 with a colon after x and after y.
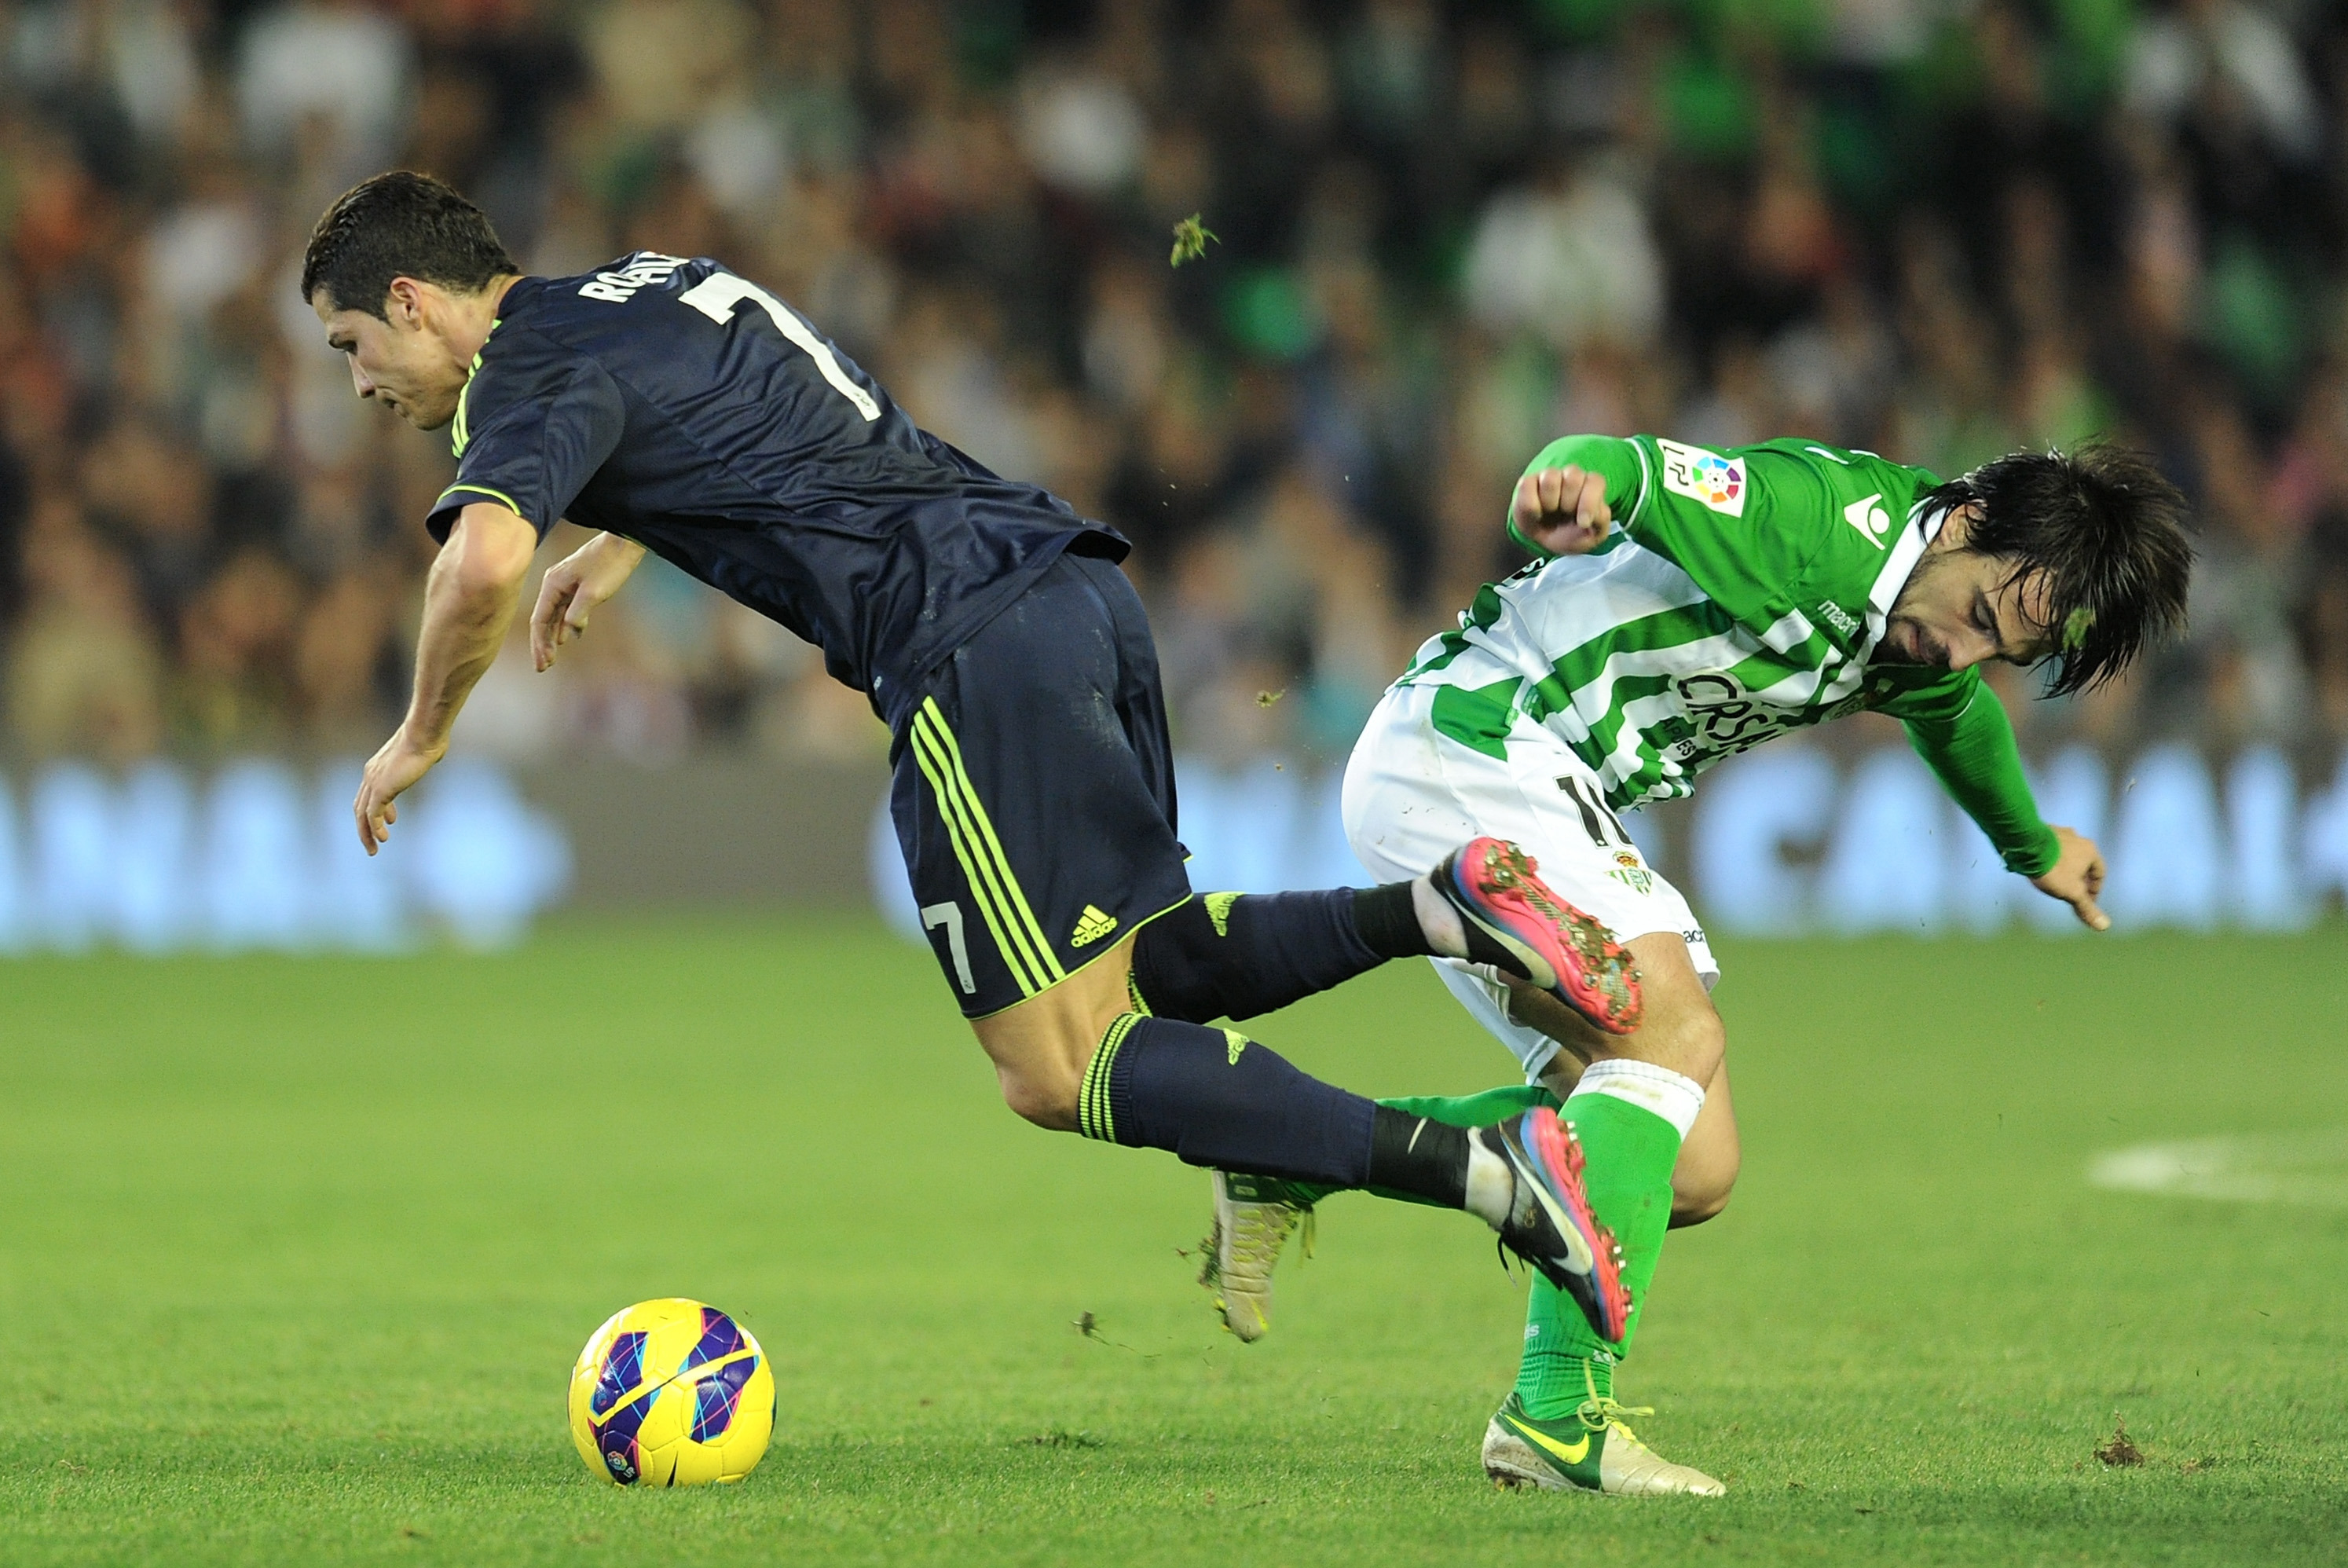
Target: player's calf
x: 1695, y: 1210
x: 1215, y: 1097
x: 1705, y: 1175
x: 1238, y: 955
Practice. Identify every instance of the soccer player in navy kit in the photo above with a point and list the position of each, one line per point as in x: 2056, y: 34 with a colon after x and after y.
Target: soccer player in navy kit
x: 682, y: 409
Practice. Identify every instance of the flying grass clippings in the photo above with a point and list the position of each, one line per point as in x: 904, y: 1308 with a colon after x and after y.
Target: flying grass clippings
x: 1190, y: 237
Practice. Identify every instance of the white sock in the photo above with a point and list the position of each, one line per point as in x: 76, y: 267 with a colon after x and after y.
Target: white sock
x: 1437, y: 919
x: 1674, y: 1097
x: 1492, y: 1185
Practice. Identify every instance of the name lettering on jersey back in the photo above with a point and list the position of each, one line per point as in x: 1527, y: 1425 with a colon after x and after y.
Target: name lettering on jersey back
x: 1703, y: 476
x: 1868, y: 517
x: 645, y: 268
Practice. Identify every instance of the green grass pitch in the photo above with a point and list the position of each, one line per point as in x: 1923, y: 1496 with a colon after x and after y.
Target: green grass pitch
x: 295, y: 1256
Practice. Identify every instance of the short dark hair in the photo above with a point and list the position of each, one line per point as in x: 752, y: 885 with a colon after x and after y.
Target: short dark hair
x: 400, y: 225
x: 2107, y: 532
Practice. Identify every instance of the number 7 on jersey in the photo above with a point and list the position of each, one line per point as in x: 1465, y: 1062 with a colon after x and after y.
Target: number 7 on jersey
x: 720, y: 295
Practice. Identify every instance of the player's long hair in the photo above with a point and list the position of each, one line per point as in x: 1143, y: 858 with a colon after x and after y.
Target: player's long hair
x: 2107, y: 532
x: 400, y: 225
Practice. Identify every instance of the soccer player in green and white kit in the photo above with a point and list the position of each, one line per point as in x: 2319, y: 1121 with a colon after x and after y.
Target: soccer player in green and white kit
x: 1689, y: 604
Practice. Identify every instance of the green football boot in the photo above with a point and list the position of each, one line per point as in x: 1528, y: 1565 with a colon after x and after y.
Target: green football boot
x: 1254, y: 1218
x: 1589, y: 1450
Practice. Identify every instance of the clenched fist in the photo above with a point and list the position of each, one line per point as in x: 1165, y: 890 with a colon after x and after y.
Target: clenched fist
x: 1563, y: 510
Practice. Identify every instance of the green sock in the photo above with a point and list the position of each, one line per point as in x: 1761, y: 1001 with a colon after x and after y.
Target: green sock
x: 1556, y: 1379
x: 1475, y: 1109
x: 1629, y: 1151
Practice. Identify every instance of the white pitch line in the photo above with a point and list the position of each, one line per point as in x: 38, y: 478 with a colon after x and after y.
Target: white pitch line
x: 2310, y: 1168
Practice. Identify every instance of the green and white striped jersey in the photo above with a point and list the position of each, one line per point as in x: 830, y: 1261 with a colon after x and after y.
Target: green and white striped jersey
x: 1740, y: 596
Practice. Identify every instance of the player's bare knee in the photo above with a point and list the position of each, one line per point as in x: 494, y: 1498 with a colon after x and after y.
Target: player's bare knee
x: 1041, y: 1047
x: 1041, y: 1094
x: 1039, y: 1081
x: 1680, y: 1032
x: 1703, y: 1042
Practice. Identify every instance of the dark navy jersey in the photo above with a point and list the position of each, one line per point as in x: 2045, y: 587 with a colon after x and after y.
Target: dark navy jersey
x: 673, y: 403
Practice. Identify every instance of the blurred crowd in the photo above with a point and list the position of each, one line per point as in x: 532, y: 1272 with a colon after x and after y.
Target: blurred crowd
x: 1443, y: 233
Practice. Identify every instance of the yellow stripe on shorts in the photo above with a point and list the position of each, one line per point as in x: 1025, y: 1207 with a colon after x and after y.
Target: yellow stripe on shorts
x: 981, y: 870
x: 988, y: 844
x: 982, y: 892
x: 985, y: 865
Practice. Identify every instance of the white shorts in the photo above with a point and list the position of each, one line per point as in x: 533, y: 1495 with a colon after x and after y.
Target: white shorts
x: 1413, y: 795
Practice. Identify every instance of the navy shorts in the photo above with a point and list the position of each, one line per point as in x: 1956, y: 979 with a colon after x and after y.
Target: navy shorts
x: 1033, y: 790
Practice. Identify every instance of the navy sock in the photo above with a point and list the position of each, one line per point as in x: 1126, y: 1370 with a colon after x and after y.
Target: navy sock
x: 1426, y: 1159
x: 1215, y: 1097
x: 1387, y: 918
x: 1237, y: 956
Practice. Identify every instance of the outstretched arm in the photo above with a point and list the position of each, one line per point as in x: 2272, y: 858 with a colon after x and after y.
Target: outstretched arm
x: 2076, y: 878
x: 574, y: 585
x: 469, y: 601
x: 1960, y: 728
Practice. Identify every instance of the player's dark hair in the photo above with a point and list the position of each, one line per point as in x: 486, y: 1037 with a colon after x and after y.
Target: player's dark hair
x: 400, y: 225
x: 2105, y: 530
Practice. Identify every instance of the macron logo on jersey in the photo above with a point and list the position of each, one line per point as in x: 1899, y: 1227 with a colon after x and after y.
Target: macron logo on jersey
x: 1717, y: 481
x: 620, y: 287
x: 1840, y: 619
x: 1868, y: 517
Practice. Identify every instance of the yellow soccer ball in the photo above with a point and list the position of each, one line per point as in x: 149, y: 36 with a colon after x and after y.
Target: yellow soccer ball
x: 671, y: 1393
